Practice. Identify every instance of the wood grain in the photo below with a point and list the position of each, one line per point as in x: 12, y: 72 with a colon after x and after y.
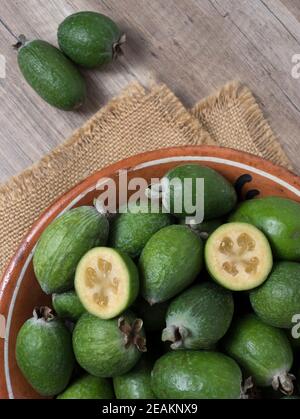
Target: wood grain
x: 194, y: 46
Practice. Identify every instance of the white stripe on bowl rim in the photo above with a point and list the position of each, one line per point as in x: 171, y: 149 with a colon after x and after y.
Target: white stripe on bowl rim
x: 164, y: 160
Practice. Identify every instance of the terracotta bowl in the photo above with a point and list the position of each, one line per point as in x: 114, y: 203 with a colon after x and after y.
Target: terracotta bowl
x: 19, y: 290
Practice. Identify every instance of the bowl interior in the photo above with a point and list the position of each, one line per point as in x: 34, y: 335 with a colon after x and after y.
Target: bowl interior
x: 19, y: 290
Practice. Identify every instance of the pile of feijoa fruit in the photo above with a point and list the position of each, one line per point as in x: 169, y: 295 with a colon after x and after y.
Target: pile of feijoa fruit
x: 86, y: 40
x: 146, y: 306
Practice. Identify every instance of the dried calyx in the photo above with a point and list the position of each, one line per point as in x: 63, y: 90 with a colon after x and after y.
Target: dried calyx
x: 44, y: 313
x: 21, y: 42
x: 117, y: 50
x: 284, y: 383
x: 176, y: 335
x: 131, y: 333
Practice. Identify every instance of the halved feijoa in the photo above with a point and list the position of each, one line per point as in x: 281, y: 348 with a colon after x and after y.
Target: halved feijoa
x: 238, y: 256
x: 199, y: 317
x: 263, y: 351
x: 106, y: 282
x: 277, y: 301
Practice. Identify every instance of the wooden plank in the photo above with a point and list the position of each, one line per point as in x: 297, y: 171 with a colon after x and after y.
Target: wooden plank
x: 193, y: 46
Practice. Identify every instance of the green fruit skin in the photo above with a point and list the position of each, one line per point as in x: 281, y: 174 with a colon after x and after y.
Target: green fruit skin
x: 89, y: 388
x: 88, y: 38
x: 152, y: 316
x: 204, y: 311
x: 279, y: 219
x: 263, y: 351
x: 62, y: 245
x: 67, y: 305
x: 219, y: 195
x: 99, y: 346
x: 277, y: 300
x: 52, y: 75
x: 169, y: 262
x: 131, y: 231
x: 196, y: 375
x: 44, y: 355
x: 136, y: 384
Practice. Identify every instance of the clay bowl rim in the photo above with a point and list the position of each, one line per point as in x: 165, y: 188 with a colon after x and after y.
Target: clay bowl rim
x: 200, y: 153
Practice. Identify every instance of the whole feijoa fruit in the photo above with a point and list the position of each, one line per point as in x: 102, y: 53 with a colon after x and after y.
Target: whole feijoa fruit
x: 44, y: 353
x: 67, y: 305
x: 51, y: 74
x: 263, y: 351
x: 107, y: 348
x: 90, y: 39
x: 169, y: 263
x: 199, y: 317
x: 277, y: 300
x: 89, y: 387
x: 196, y: 375
x: 62, y: 245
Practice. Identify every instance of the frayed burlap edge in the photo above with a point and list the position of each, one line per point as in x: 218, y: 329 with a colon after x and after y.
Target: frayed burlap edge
x: 258, y: 127
x: 117, y: 109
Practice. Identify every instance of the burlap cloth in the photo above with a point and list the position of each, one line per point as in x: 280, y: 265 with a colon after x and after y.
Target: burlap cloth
x: 136, y: 121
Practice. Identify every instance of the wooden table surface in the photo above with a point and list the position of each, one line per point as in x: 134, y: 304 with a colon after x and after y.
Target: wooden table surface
x: 194, y: 46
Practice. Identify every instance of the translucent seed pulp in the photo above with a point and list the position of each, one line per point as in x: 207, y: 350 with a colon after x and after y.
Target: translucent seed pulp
x: 235, y: 251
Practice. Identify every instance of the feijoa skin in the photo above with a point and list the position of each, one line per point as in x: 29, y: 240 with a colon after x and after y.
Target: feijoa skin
x: 62, y: 245
x: 130, y: 231
x: 277, y: 300
x: 107, y: 348
x: 206, y: 228
x: 90, y: 39
x: 263, y: 351
x: 52, y: 75
x: 135, y: 384
x: 279, y: 219
x: 89, y: 388
x: 169, y: 263
x: 199, y: 317
x: 219, y: 195
x: 67, y: 305
x: 196, y: 375
x: 44, y: 354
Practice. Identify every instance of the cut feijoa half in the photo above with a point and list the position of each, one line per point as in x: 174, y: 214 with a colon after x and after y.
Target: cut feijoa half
x: 106, y: 282
x: 238, y: 256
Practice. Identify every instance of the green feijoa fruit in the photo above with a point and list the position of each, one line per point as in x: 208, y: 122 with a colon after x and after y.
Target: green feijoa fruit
x: 131, y: 230
x: 62, y: 245
x: 52, y: 75
x: 263, y: 351
x: 290, y: 397
x: 89, y: 387
x: 238, y: 256
x: 67, y: 305
x: 135, y: 384
x: 153, y: 316
x: 196, y: 375
x: 90, y: 39
x: 277, y: 300
x: 44, y: 353
x: 169, y: 263
x: 107, y: 348
x: 106, y: 282
x: 204, y: 229
x: 199, y: 317
x: 279, y: 219
x: 219, y: 195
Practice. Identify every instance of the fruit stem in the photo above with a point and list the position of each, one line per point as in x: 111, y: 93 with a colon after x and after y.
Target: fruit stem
x: 117, y: 50
x: 21, y: 42
x: 44, y: 313
x: 176, y: 335
x: 284, y: 383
